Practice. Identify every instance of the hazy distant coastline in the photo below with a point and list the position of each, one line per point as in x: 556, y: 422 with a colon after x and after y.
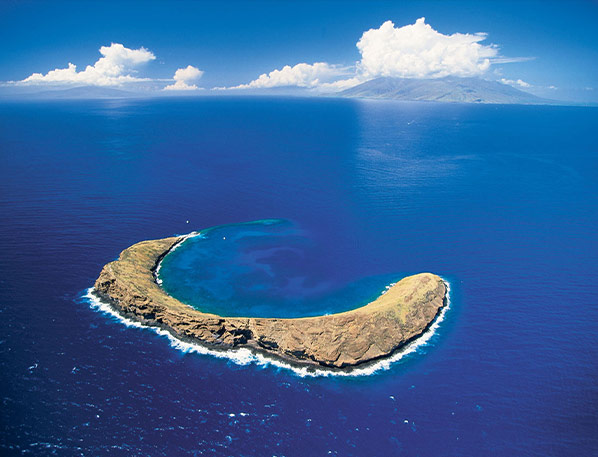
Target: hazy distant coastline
x: 446, y: 90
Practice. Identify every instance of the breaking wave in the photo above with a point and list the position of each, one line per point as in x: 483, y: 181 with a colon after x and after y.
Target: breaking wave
x: 244, y: 356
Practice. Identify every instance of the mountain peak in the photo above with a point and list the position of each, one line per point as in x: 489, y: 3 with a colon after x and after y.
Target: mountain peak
x: 447, y: 89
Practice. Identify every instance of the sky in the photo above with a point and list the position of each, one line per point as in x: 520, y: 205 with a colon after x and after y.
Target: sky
x: 548, y: 48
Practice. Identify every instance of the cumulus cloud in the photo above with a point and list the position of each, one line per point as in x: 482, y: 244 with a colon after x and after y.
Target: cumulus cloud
x: 517, y: 82
x: 340, y: 85
x: 419, y: 51
x: 112, y: 69
x: 411, y: 51
x: 300, y: 75
x: 184, y: 77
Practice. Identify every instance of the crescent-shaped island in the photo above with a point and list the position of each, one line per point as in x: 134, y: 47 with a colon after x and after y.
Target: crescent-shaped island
x: 342, y: 340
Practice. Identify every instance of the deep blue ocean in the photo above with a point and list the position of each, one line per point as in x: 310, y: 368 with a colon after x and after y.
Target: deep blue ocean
x: 502, y: 201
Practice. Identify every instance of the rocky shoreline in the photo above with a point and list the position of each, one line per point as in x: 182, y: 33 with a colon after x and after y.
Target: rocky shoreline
x: 342, y: 340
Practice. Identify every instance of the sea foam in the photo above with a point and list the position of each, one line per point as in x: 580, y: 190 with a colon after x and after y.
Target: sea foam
x: 173, y: 248
x: 244, y: 356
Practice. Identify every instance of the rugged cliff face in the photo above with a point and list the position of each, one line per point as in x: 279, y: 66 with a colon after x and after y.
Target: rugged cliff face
x: 338, y: 340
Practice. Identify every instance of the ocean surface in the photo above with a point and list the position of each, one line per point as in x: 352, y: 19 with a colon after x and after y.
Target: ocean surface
x: 266, y: 268
x: 501, y: 201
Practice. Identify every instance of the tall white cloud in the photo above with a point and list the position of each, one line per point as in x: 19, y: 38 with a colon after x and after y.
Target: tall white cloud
x: 300, y: 75
x: 112, y: 69
x: 184, y: 78
x: 419, y: 51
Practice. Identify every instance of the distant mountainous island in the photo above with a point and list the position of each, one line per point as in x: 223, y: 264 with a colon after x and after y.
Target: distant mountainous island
x: 79, y: 92
x: 449, y: 89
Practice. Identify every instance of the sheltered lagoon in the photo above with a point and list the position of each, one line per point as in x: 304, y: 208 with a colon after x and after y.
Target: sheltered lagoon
x: 346, y: 339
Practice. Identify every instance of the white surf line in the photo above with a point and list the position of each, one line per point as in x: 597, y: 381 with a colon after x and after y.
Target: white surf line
x: 175, y: 247
x: 244, y: 356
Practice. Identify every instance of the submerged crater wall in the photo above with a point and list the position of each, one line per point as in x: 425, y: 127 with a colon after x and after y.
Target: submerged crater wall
x: 338, y: 340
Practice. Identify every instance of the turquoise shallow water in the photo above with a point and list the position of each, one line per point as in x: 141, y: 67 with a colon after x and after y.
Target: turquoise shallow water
x: 265, y: 268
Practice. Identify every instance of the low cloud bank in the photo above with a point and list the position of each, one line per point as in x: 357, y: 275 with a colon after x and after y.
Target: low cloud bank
x: 411, y: 51
x: 300, y: 75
